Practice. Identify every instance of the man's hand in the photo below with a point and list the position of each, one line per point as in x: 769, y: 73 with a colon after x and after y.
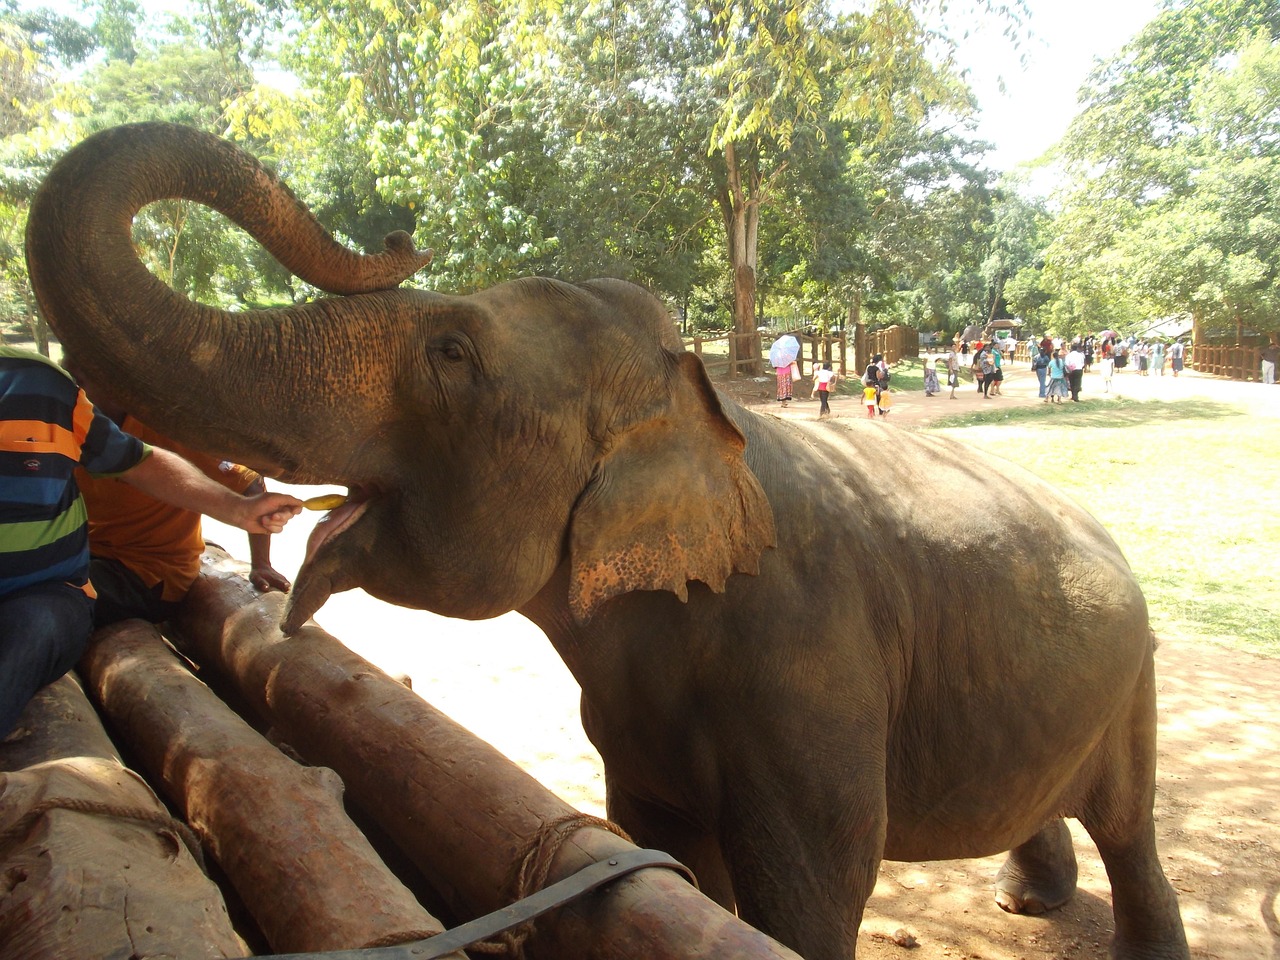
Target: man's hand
x: 267, y: 512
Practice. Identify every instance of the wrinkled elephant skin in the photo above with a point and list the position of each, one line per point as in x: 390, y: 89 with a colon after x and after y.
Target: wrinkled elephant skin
x: 798, y: 652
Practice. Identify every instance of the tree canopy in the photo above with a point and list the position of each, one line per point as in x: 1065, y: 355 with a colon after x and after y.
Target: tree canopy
x: 754, y: 164
x: 1173, y: 197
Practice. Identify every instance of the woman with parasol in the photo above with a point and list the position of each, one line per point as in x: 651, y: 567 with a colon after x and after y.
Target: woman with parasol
x: 782, y: 357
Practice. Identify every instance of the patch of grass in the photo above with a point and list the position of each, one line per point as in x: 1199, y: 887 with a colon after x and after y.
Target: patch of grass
x: 1116, y: 414
x: 908, y: 375
x: 1186, y: 488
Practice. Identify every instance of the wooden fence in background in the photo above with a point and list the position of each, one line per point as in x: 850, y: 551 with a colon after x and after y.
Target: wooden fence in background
x: 893, y: 342
x: 1238, y: 363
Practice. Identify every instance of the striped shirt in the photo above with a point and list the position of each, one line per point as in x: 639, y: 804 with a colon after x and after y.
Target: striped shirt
x: 48, y: 428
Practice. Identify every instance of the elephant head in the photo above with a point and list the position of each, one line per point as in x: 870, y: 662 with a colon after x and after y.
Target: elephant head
x: 485, y: 440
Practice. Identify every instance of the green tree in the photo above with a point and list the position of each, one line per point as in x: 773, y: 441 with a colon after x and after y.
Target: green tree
x: 1171, y: 200
x: 34, y: 46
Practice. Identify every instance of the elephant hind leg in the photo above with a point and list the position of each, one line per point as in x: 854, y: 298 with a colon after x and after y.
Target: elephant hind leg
x: 1118, y: 813
x: 1039, y: 874
x: 1148, y: 925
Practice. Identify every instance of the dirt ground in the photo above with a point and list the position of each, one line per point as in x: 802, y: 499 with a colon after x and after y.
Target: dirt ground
x: 1218, y: 795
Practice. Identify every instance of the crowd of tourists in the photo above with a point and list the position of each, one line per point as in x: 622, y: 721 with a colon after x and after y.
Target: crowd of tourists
x: 1060, y: 365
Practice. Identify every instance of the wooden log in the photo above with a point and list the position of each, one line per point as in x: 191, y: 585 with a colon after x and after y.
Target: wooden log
x: 463, y: 812
x: 278, y: 829
x: 91, y: 863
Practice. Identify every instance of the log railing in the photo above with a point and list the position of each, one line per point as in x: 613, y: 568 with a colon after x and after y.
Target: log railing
x: 813, y: 350
x: 471, y: 831
x: 1235, y: 362
x: 893, y: 343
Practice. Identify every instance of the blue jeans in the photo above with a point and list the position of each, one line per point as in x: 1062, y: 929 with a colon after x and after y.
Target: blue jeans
x: 43, y: 631
x: 1044, y: 383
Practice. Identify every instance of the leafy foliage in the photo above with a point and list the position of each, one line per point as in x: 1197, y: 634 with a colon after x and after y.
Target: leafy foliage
x: 1174, y: 198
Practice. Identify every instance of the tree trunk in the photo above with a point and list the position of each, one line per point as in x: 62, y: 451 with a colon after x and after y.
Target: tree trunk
x: 463, y: 812
x: 861, y: 356
x: 742, y: 219
x: 278, y: 829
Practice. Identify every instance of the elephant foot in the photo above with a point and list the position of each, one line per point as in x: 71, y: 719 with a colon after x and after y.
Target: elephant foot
x: 1015, y: 897
x: 1147, y: 950
x: 1039, y: 875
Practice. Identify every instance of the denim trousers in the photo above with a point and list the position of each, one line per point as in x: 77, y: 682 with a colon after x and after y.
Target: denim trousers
x: 43, y: 630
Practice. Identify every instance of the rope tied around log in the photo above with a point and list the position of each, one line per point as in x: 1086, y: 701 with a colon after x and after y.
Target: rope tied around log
x: 532, y: 869
x: 155, y: 818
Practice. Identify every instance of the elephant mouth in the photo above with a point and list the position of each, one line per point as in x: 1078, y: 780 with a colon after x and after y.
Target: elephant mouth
x: 316, y: 581
x: 338, y: 519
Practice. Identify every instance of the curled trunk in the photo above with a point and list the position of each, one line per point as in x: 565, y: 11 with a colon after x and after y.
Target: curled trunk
x: 190, y: 370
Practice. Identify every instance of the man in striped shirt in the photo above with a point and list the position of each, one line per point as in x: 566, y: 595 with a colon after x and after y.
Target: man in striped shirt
x: 48, y: 428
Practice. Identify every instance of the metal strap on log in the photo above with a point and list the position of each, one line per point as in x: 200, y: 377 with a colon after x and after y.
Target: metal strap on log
x: 485, y: 928
x: 460, y: 810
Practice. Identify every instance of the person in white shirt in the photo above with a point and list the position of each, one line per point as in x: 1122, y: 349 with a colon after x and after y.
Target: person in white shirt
x: 824, y: 381
x: 1075, y: 369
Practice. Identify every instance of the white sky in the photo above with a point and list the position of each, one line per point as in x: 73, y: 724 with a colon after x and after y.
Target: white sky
x: 1039, y: 102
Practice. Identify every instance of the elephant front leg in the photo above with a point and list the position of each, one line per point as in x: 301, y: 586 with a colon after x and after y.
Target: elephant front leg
x: 659, y: 828
x: 1040, y: 874
x: 803, y: 872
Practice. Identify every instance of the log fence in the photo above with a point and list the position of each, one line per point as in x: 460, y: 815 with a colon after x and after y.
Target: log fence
x: 894, y: 343
x: 1235, y: 362
x: 471, y: 832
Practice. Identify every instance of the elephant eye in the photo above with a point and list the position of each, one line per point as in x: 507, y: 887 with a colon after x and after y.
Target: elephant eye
x: 451, y: 348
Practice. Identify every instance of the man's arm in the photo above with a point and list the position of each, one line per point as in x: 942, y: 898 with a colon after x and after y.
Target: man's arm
x: 168, y: 477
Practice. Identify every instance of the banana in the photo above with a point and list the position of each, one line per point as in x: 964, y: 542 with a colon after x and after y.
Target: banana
x: 327, y: 501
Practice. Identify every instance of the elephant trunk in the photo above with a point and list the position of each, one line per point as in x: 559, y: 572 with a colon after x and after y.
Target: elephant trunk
x: 230, y: 383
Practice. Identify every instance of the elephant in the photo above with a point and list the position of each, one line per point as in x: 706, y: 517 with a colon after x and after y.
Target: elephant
x: 785, y: 633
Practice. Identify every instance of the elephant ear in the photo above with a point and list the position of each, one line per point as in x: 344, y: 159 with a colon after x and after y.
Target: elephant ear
x: 672, y: 501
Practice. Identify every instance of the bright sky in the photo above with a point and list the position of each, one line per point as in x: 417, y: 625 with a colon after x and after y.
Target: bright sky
x: 1039, y: 102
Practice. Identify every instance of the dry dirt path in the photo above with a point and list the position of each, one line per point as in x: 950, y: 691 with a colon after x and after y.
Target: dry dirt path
x: 1218, y: 801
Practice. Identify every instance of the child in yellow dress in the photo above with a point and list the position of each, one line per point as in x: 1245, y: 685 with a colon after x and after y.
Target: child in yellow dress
x: 886, y: 401
x: 869, y: 398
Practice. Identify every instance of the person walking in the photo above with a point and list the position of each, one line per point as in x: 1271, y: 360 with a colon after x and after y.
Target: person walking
x: 1177, y: 356
x: 1040, y: 364
x: 987, y: 367
x: 1270, y: 357
x: 953, y: 371
x: 825, y: 380
x: 931, y: 376
x: 869, y: 396
x: 877, y: 375
x: 885, y: 402
x: 976, y: 367
x: 1107, y: 367
x: 786, y: 378
x: 1057, y: 379
x: 1075, y: 369
x: 1157, y: 359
